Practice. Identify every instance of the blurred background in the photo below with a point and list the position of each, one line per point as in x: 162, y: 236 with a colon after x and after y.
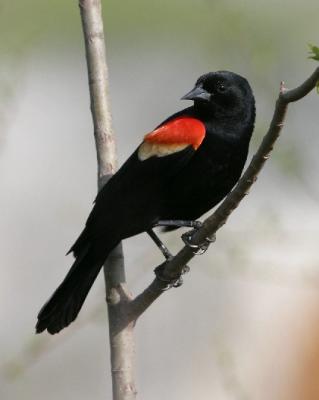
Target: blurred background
x: 245, y: 324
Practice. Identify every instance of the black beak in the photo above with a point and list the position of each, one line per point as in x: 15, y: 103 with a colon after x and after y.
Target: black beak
x: 198, y: 93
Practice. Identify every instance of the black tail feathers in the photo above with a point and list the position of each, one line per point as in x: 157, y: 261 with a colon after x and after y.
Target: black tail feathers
x: 65, y: 303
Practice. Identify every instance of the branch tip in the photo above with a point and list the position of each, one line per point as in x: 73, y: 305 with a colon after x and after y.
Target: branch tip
x: 282, y: 87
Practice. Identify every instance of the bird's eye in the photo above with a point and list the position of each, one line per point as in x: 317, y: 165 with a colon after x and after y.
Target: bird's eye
x: 221, y: 88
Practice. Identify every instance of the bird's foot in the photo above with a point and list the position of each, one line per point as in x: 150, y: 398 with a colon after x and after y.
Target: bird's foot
x: 170, y: 282
x: 200, y: 248
x: 179, y: 223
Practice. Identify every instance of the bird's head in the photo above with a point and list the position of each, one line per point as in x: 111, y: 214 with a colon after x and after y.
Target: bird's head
x: 222, y: 93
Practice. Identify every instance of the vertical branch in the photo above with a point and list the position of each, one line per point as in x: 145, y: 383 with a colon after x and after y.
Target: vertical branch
x: 92, y: 25
x: 117, y: 295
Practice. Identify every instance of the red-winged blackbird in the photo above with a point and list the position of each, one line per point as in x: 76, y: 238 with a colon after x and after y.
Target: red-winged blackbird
x: 181, y: 170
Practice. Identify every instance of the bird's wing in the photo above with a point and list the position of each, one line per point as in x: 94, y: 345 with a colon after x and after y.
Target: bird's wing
x: 133, y: 193
x: 172, y: 137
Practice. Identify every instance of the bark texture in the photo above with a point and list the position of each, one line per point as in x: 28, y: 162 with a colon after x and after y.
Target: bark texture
x: 117, y: 296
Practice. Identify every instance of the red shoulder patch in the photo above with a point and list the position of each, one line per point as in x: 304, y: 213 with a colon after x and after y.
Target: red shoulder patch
x: 172, y: 137
x: 181, y: 130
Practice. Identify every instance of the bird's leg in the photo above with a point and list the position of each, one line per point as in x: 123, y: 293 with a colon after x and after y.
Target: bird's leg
x: 200, y: 248
x: 179, y: 223
x: 175, y: 282
x: 166, y: 253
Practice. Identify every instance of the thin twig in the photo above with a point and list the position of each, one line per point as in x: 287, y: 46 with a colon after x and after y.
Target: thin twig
x: 117, y: 295
x: 174, y: 267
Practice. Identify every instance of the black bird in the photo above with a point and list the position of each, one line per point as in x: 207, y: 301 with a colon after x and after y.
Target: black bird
x: 182, y: 169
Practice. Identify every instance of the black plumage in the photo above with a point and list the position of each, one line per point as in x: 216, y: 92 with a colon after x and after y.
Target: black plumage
x: 180, y: 184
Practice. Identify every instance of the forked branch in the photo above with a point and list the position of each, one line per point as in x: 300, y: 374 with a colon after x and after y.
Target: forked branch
x: 117, y: 296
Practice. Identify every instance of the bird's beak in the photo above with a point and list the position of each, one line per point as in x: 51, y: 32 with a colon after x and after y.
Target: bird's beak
x: 198, y: 93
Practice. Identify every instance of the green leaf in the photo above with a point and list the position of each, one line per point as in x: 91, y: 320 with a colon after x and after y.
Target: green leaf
x: 313, y: 53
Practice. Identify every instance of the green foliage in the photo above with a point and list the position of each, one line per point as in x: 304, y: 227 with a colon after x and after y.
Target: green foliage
x: 314, y: 55
x: 313, y: 52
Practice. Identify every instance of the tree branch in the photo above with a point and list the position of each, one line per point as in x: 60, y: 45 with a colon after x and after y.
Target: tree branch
x: 117, y: 295
x: 174, y: 267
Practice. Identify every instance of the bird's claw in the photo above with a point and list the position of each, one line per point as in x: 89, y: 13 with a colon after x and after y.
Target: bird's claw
x: 200, y: 248
x: 197, y: 225
x: 170, y: 282
x: 180, y: 281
